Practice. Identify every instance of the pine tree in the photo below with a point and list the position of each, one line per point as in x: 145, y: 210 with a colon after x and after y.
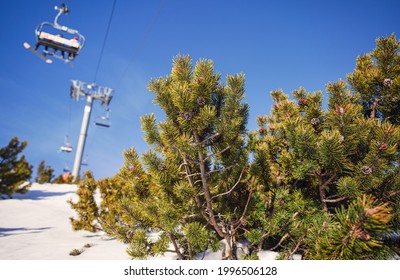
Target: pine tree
x: 324, y: 162
x: 132, y: 207
x: 199, y: 157
x: 377, y: 79
x: 14, y: 169
x: 86, y: 206
x: 44, y: 173
x: 190, y: 188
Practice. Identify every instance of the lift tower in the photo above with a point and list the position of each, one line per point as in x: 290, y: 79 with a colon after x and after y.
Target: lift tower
x: 90, y: 92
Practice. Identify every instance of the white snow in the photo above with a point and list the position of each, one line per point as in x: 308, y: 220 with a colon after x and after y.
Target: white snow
x: 36, y: 226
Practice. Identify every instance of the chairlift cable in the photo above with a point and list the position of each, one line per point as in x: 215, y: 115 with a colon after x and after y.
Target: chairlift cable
x: 104, y: 41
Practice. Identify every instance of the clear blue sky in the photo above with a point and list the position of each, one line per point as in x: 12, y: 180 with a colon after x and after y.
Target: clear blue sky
x: 276, y: 44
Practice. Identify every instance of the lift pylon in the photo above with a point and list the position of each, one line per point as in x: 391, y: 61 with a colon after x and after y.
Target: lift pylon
x: 91, y: 92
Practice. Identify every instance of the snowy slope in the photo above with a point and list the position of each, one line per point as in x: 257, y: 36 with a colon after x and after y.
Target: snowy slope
x: 36, y: 226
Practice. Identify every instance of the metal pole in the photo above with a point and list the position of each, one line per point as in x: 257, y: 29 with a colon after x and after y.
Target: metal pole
x: 82, y: 137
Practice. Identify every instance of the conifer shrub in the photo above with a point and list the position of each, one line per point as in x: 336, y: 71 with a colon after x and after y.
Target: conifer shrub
x: 44, y: 173
x: 15, y: 171
x: 320, y: 181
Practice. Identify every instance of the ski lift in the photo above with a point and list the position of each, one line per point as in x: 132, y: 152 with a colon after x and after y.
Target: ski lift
x: 104, y: 121
x: 57, y: 41
x: 67, y: 146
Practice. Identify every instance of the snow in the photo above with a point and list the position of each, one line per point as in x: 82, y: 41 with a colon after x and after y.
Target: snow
x: 36, y: 226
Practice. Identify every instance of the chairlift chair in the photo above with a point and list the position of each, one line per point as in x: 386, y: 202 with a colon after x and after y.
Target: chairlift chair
x: 104, y: 121
x: 67, y: 146
x: 57, y: 41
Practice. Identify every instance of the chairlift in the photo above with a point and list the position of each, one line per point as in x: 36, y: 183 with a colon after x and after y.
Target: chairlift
x: 104, y: 121
x: 67, y: 146
x: 57, y: 40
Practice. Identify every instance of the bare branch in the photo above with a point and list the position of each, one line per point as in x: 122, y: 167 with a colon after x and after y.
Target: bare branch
x: 291, y: 252
x: 234, y: 186
x: 335, y: 200
x: 222, y: 169
x: 209, y: 172
x: 286, y: 236
x: 218, y: 153
x: 208, y: 138
x: 245, y: 208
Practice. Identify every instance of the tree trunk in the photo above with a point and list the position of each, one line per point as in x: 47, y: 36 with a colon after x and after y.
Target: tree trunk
x: 176, y: 247
x: 206, y: 190
x: 373, y: 108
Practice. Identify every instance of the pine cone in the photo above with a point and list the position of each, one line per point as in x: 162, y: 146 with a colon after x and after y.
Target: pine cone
x: 133, y: 168
x: 339, y: 109
x: 366, y: 170
x: 303, y: 102
x: 187, y: 115
x: 387, y: 82
x: 383, y: 146
x: 201, y: 101
x: 162, y: 167
x: 262, y: 130
x: 315, y: 121
x: 262, y: 119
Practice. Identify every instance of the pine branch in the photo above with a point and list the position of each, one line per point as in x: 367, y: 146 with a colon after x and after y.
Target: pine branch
x: 218, y: 153
x: 176, y: 247
x: 335, y: 200
x: 208, y: 138
x: 291, y: 252
x: 221, y: 169
x: 238, y: 223
x: 393, y: 193
x: 286, y: 236
x: 322, y: 184
x: 209, y: 172
x: 234, y: 186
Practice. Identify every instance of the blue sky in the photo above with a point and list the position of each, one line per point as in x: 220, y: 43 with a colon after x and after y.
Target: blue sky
x: 276, y: 44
